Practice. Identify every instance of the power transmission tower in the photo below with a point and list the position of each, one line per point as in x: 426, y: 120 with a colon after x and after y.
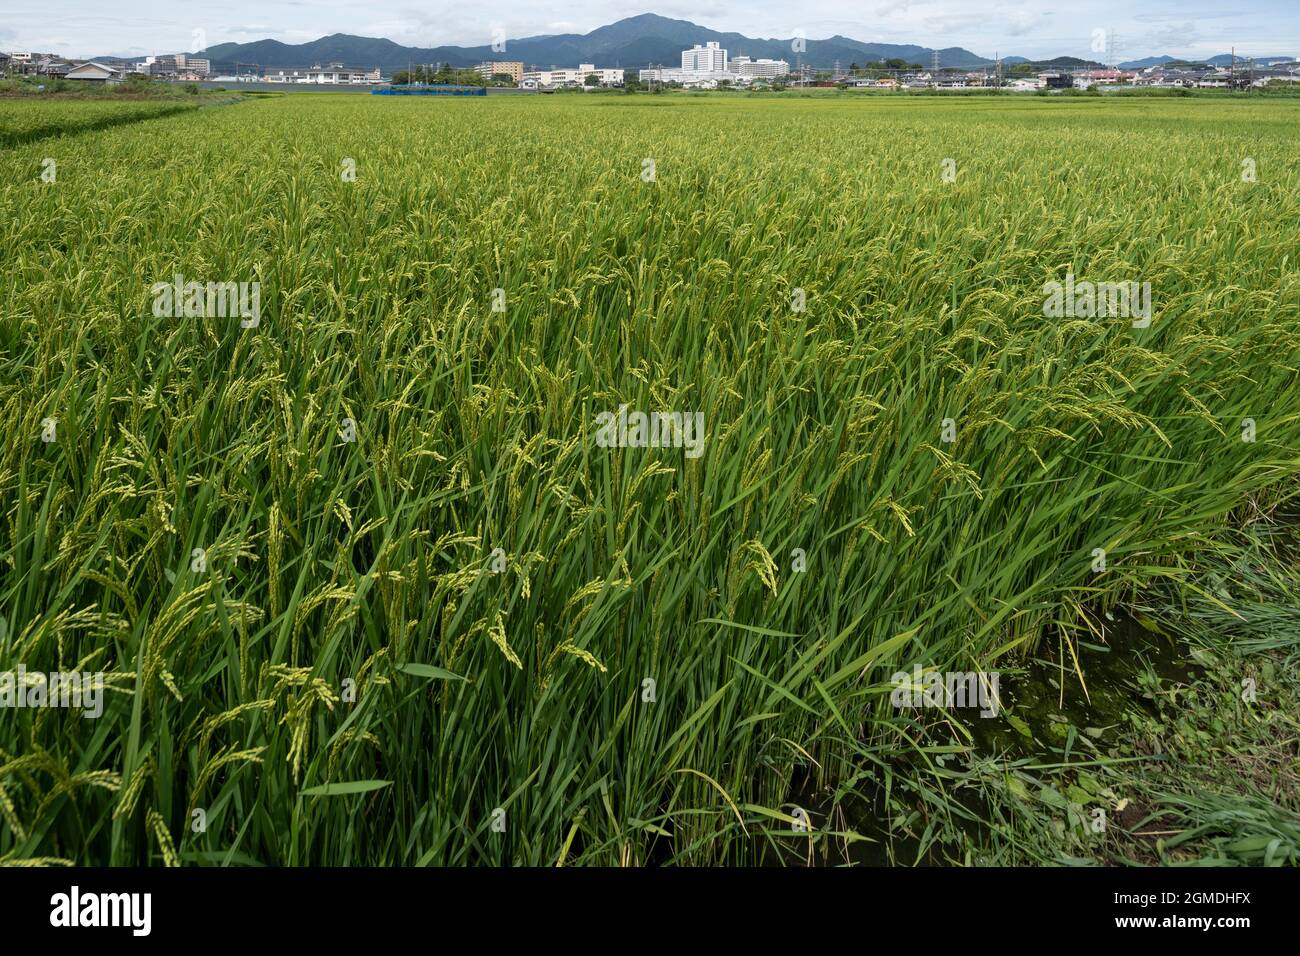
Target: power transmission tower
x: 934, y: 59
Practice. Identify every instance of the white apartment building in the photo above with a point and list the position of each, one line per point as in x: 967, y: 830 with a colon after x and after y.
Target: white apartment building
x: 707, y: 66
x: 705, y: 79
x: 338, y: 74
x: 710, y: 58
x: 193, y: 64
x: 180, y: 63
x: 333, y: 75
x: 767, y: 69
x: 659, y: 74
x: 571, y: 77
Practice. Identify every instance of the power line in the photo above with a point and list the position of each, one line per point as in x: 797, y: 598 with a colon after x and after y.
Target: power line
x: 1112, y: 49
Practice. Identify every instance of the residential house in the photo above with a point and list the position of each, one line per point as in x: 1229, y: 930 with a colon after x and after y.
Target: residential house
x: 92, y: 72
x: 52, y: 67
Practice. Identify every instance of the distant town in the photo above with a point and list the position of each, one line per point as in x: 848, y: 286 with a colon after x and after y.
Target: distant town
x: 703, y: 66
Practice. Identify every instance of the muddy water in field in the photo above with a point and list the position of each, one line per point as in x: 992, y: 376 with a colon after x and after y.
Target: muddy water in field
x: 1045, y: 713
x: 1047, y: 696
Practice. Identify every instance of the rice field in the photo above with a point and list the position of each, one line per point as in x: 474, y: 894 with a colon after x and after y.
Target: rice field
x: 24, y: 120
x: 372, y: 582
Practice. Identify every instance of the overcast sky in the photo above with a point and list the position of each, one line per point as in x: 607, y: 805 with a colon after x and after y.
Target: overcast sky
x: 1034, y: 28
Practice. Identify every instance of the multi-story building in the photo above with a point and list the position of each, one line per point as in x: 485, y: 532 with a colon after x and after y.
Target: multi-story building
x: 767, y: 69
x: 707, y: 66
x: 180, y: 64
x: 335, y: 74
x: 578, y: 77
x: 705, y: 79
x: 52, y: 66
x: 23, y: 62
x: 38, y: 63
x: 193, y: 65
x: 511, y: 68
x: 710, y: 58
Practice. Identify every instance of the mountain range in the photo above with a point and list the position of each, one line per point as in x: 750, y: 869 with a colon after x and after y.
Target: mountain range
x: 629, y: 43
x: 1223, y: 59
